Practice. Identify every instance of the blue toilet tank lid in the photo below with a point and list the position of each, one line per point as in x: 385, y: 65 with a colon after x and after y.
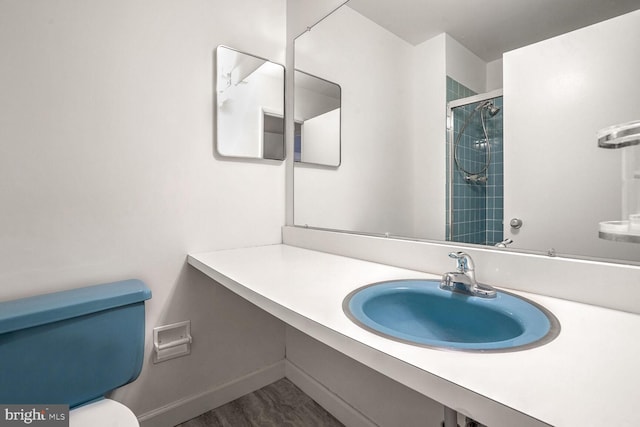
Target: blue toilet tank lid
x: 42, y: 309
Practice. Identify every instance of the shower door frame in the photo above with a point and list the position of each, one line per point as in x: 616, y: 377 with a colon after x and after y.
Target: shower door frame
x: 450, y: 140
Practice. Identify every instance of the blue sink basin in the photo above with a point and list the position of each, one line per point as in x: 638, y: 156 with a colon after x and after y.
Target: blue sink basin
x: 419, y: 312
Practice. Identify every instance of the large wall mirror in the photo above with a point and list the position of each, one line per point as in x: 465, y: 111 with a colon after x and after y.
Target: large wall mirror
x: 546, y: 99
x: 249, y: 106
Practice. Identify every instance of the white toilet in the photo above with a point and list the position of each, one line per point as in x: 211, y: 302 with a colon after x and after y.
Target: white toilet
x: 72, y: 348
x: 103, y: 413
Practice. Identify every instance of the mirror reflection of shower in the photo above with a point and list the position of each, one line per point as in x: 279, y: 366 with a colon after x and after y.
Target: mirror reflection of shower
x: 480, y: 174
x: 475, y: 168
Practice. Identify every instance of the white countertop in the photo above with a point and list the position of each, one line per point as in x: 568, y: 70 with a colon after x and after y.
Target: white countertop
x: 587, y: 376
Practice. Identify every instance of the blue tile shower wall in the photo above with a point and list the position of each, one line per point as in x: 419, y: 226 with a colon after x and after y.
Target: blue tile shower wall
x: 477, y: 207
x: 456, y: 90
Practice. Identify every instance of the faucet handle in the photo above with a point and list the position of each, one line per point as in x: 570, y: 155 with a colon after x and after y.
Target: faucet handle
x: 465, y: 263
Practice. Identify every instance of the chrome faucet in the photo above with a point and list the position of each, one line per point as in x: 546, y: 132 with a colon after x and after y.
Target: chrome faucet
x: 463, y: 280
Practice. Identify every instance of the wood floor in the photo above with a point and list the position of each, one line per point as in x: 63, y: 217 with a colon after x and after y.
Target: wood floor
x: 280, y: 404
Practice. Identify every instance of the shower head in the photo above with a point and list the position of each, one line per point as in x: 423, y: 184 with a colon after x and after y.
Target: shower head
x: 490, y: 106
x: 493, y: 110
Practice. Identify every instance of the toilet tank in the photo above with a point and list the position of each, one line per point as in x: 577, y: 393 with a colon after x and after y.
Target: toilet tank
x: 74, y: 346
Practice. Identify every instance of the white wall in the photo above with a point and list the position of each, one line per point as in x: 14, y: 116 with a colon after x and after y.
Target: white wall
x: 494, y: 75
x: 383, y: 401
x: 321, y: 139
x: 373, y: 175
x: 107, y: 170
x: 557, y: 94
x: 428, y: 123
x: 464, y: 66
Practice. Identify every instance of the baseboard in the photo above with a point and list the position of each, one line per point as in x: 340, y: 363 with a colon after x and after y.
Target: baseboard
x: 184, y: 409
x: 334, y: 404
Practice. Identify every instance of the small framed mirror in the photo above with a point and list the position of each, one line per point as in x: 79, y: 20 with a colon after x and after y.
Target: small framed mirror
x: 317, y: 105
x: 249, y: 106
